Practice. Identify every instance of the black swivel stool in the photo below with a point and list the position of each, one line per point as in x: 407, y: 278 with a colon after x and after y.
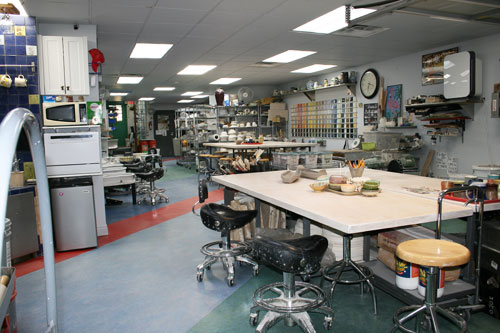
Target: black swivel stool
x: 364, y: 273
x: 291, y: 300
x: 151, y: 192
x: 224, y: 219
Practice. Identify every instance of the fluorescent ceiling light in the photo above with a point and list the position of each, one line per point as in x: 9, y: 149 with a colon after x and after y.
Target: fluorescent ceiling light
x: 150, y: 51
x: 129, y: 79
x: 313, y: 68
x: 332, y: 21
x: 18, y: 5
x: 118, y: 94
x: 164, y: 88
x: 146, y: 98
x: 289, y: 56
x: 185, y: 101
x: 200, y: 96
x: 192, y: 93
x: 196, y: 69
x: 226, y: 80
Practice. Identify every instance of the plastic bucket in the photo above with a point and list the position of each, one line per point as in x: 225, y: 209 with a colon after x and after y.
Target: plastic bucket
x: 144, y: 145
x: 152, y: 143
x: 406, y: 274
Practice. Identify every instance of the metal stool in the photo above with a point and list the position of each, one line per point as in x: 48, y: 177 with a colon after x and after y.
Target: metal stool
x: 435, y: 254
x: 292, y: 299
x: 334, y: 273
x: 224, y: 219
x: 151, y: 192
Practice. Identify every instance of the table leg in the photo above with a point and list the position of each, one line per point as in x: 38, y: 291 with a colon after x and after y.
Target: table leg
x: 257, y: 207
x: 134, y: 194
x: 470, y: 237
x: 366, y: 248
x: 306, y: 227
x: 228, y: 196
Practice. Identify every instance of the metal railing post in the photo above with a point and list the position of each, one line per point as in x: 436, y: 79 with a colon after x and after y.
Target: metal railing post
x: 10, y: 129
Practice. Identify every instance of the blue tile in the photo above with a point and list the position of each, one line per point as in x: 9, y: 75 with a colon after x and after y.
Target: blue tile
x: 10, y: 40
x: 35, y: 108
x: 10, y: 60
x: 2, y: 59
x: 33, y: 89
x: 29, y: 20
x: 20, y: 40
x: 25, y: 71
x: 17, y: 19
x: 10, y: 50
x: 30, y: 31
x: 13, y: 88
x: 30, y: 40
x: 3, y: 105
x: 13, y: 99
x: 2, y: 50
x: 21, y: 60
x: 23, y: 99
x: 31, y: 59
x: 21, y: 50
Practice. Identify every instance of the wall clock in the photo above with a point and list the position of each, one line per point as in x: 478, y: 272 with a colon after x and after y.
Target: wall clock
x: 369, y: 83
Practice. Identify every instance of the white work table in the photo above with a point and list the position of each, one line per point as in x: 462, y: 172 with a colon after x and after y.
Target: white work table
x: 264, y: 145
x: 348, y: 214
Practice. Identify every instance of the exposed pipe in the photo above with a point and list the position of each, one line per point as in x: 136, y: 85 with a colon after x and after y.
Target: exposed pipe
x: 10, y: 129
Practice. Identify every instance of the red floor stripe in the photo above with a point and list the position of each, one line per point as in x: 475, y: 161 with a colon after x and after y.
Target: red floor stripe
x: 125, y: 228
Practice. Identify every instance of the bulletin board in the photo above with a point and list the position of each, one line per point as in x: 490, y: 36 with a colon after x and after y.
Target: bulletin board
x: 370, y: 114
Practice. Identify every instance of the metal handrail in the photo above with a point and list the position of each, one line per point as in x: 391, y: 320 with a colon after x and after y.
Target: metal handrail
x: 10, y: 129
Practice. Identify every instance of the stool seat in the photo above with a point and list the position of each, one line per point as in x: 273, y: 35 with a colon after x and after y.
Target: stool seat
x: 222, y: 218
x: 433, y: 252
x: 152, y: 175
x: 296, y: 256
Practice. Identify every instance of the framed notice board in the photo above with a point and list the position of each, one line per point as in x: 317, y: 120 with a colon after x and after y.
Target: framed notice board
x: 370, y: 114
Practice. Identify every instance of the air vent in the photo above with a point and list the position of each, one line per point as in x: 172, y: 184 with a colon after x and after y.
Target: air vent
x: 360, y: 31
x: 265, y: 64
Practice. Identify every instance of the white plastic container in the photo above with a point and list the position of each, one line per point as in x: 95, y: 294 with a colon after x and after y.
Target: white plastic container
x: 406, y: 274
x: 422, y: 281
x: 483, y: 171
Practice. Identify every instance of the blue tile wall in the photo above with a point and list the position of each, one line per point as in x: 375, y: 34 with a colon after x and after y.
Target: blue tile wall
x: 13, y: 52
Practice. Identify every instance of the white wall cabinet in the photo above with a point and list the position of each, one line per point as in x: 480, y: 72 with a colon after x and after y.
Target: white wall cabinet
x: 63, y: 65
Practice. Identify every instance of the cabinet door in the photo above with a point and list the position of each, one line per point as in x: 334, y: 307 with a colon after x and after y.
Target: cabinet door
x: 76, y: 68
x: 53, y: 66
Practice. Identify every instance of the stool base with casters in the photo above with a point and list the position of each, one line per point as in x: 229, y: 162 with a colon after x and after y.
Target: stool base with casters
x: 290, y: 300
x: 435, y: 254
x: 236, y: 252
x: 334, y: 273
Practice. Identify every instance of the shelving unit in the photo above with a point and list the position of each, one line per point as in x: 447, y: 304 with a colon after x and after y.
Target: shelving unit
x: 446, y: 126
x: 335, y: 118
x: 311, y: 93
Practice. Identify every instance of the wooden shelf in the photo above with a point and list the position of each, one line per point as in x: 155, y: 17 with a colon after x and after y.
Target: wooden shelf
x: 311, y: 93
x: 460, y: 101
x: 401, y: 127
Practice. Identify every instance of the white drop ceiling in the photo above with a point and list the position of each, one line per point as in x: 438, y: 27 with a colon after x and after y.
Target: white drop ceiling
x: 236, y: 34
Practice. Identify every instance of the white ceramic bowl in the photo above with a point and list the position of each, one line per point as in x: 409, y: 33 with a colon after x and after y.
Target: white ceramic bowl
x: 347, y: 188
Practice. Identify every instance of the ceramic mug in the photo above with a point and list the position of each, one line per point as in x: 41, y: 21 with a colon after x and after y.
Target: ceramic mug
x: 20, y: 81
x: 5, y: 81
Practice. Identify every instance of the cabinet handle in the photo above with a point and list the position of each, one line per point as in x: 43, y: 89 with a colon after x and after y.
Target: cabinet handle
x: 62, y: 88
x: 67, y: 87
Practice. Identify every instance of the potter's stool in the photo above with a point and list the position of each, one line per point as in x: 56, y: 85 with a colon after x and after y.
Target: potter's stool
x: 334, y: 273
x: 435, y: 254
x: 290, y: 300
x: 224, y: 219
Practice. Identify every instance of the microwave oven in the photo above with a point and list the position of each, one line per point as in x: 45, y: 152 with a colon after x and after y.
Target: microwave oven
x: 64, y: 114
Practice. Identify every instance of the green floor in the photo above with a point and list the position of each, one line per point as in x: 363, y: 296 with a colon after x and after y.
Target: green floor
x: 174, y: 173
x: 353, y: 312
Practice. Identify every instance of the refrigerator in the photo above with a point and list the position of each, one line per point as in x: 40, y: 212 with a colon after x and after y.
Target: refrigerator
x: 73, y: 216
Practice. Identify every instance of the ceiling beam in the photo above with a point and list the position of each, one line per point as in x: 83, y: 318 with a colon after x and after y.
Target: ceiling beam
x: 487, y: 3
x: 384, y: 10
x: 447, y: 16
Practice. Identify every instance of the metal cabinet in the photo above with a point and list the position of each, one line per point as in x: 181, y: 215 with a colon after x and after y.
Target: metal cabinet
x: 63, y: 65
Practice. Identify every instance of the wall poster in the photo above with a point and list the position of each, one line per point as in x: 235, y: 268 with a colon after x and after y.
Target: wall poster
x: 393, y: 102
x: 370, y: 114
x: 432, y: 66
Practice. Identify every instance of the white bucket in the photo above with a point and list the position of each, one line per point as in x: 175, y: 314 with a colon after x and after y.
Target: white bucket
x: 422, y: 281
x: 406, y: 274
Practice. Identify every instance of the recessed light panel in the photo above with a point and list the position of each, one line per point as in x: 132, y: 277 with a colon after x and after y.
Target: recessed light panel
x: 185, y: 101
x: 289, y: 56
x: 226, y: 80
x: 150, y: 51
x: 196, y: 69
x: 200, y: 96
x: 332, y: 21
x: 146, y: 98
x: 164, y: 88
x: 192, y: 93
x: 313, y: 68
x: 129, y: 79
x: 118, y: 94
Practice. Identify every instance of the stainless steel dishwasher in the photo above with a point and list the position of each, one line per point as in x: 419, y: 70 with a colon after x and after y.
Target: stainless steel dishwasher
x: 73, y: 214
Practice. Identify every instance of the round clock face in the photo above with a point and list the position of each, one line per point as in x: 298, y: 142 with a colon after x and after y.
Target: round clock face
x: 369, y: 83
